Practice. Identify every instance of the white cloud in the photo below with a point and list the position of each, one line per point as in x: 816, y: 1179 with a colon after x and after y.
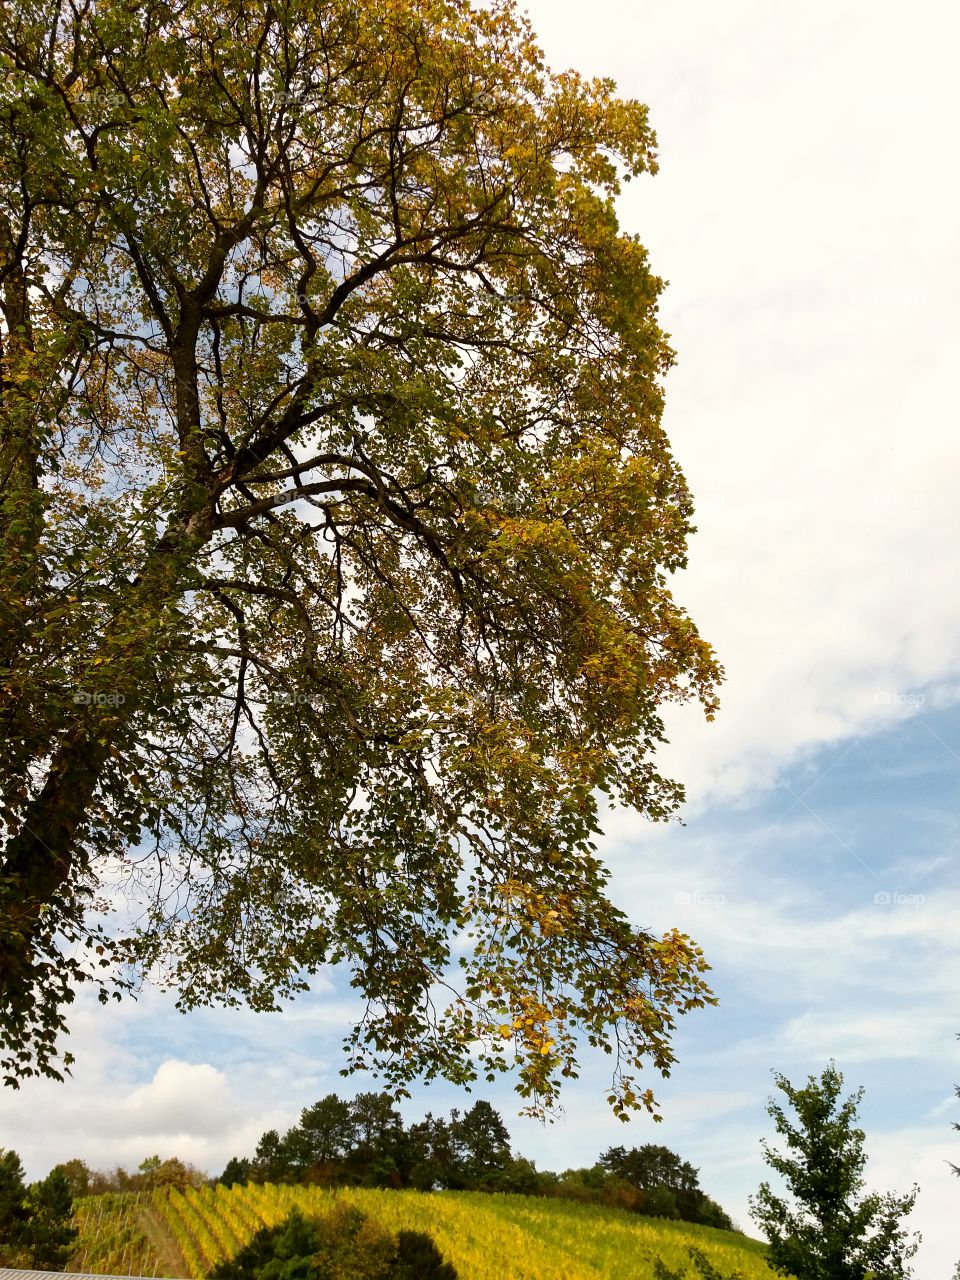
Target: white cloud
x: 149, y: 1081
x: 183, y: 1098
x: 805, y: 220
x: 853, y: 1038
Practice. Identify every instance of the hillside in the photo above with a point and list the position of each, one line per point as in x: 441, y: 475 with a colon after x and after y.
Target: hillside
x: 487, y: 1237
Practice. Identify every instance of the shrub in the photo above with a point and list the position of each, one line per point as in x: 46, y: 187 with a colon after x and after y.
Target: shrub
x: 341, y: 1245
x: 418, y: 1258
x: 703, y: 1267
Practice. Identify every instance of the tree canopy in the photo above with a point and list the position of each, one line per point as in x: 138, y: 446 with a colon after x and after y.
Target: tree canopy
x: 829, y: 1229
x: 336, y: 528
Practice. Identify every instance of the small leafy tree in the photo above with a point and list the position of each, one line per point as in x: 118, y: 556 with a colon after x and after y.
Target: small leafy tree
x: 830, y: 1231
x: 173, y: 1172
x: 78, y: 1174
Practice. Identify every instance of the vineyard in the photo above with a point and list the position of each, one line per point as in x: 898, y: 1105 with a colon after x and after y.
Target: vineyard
x: 186, y: 1233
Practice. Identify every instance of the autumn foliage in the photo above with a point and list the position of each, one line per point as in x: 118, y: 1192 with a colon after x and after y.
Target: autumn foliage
x: 336, y: 529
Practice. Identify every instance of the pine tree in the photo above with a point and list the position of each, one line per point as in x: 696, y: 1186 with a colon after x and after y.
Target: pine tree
x: 830, y: 1231
x: 236, y: 1172
x: 49, y: 1234
x: 14, y: 1213
x: 482, y: 1144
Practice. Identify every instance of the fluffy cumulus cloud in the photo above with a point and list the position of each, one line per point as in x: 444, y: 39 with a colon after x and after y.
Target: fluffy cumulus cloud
x: 148, y: 1081
x: 183, y: 1099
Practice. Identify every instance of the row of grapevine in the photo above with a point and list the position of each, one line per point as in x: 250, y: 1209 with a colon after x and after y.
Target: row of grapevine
x: 208, y: 1245
x: 214, y: 1234
x: 112, y: 1240
x: 239, y: 1211
x: 168, y: 1211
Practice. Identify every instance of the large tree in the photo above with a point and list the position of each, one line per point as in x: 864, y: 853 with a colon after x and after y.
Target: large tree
x: 336, y: 529
x: 828, y: 1229
x: 481, y: 1144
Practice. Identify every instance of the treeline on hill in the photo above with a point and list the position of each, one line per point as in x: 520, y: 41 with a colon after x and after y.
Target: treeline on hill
x: 363, y: 1142
x: 152, y: 1172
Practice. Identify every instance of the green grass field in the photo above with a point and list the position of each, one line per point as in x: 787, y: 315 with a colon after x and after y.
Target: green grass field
x: 486, y: 1237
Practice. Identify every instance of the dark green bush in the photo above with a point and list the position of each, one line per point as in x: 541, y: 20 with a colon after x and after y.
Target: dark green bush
x: 341, y: 1245
x: 703, y: 1267
x: 418, y: 1258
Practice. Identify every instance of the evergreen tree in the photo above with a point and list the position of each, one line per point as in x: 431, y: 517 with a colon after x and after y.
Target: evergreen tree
x: 434, y: 1159
x: 651, y: 1166
x: 271, y: 1161
x: 49, y: 1235
x: 237, y: 1172
x: 670, y: 1186
x: 78, y: 1176
x: 830, y: 1230
x: 381, y: 1156
x: 323, y: 1139
x: 482, y: 1144
x: 35, y: 1225
x: 14, y: 1212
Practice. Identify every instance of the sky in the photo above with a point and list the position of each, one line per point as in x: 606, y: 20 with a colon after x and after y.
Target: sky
x: 806, y: 216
